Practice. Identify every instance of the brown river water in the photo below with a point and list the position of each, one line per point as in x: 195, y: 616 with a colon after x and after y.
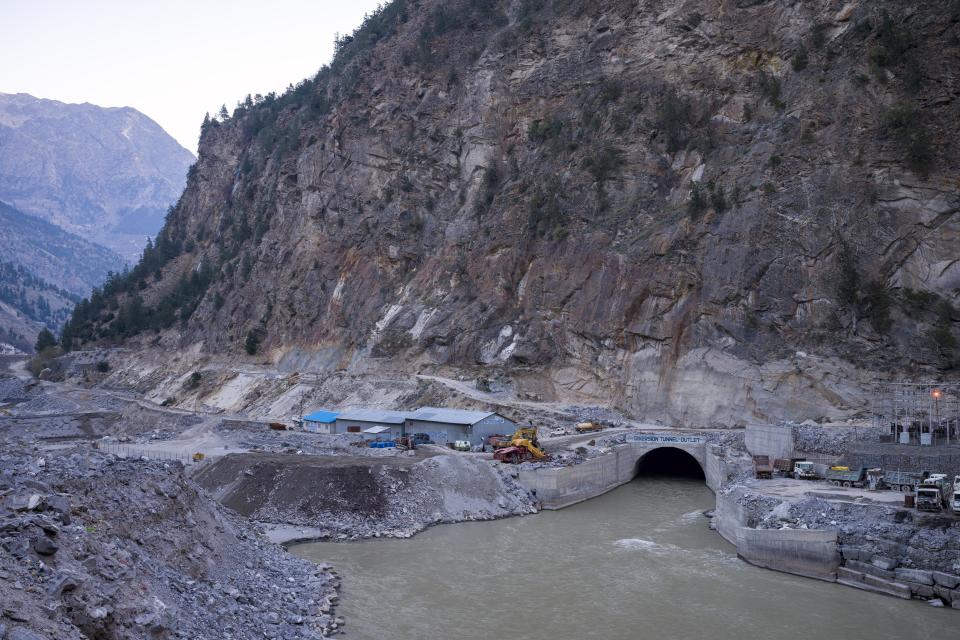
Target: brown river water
x: 638, y: 562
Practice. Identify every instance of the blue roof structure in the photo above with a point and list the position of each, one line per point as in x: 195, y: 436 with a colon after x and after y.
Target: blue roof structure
x: 322, y: 416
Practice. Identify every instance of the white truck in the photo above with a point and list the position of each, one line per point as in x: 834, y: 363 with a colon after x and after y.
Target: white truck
x: 804, y: 470
x: 956, y: 495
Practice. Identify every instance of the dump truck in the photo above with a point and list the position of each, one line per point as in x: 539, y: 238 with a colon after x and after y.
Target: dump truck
x: 956, y: 495
x: 933, y: 494
x: 804, y: 470
x: 762, y: 468
x: 588, y: 427
x: 846, y: 477
x: 904, y: 481
x: 785, y: 465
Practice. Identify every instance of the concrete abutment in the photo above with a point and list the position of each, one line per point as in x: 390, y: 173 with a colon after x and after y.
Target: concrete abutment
x: 558, y: 487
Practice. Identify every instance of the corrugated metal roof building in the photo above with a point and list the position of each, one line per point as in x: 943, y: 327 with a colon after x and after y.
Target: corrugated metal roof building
x: 448, y: 425
x: 361, y: 421
x: 320, y: 422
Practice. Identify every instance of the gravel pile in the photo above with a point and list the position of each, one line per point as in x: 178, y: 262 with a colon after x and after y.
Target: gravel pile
x: 830, y: 440
x: 44, y: 404
x: 16, y: 390
x: 92, y: 546
x: 349, y: 498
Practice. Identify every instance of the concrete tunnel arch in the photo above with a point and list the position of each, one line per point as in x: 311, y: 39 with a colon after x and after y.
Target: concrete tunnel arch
x: 669, y: 462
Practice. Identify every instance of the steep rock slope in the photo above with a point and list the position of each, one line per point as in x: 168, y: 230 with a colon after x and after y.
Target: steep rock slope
x: 53, y: 254
x: 28, y: 304
x: 706, y: 212
x: 108, y: 175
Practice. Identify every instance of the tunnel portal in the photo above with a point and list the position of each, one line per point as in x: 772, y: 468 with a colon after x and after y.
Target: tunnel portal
x: 669, y: 462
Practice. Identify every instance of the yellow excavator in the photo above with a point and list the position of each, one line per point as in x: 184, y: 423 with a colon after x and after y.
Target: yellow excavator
x: 523, y: 445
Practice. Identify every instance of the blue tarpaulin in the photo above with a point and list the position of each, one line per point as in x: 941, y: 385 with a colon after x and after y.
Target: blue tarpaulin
x: 322, y: 416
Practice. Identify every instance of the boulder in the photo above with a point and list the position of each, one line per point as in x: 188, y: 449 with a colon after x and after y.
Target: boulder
x: 44, y: 545
x: 25, y: 501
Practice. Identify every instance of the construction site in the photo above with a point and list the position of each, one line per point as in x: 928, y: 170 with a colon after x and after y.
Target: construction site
x: 870, y: 503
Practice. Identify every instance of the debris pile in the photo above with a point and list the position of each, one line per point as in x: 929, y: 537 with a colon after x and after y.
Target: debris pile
x: 93, y: 546
x: 810, y: 437
x: 344, y: 498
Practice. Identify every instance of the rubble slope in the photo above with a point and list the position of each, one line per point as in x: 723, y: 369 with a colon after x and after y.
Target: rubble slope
x: 93, y: 546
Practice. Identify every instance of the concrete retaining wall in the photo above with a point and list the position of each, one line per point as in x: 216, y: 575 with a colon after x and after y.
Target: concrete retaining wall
x: 771, y: 440
x: 715, y: 468
x: 564, y: 486
x: 559, y: 487
x: 803, y: 552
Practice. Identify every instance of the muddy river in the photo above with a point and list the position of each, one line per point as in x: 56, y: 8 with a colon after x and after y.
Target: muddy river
x: 638, y: 562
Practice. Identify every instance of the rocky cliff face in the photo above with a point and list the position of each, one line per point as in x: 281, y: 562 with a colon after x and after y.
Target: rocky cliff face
x: 707, y: 212
x: 108, y: 175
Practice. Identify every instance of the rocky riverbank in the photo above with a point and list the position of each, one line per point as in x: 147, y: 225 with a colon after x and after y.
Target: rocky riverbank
x: 94, y: 546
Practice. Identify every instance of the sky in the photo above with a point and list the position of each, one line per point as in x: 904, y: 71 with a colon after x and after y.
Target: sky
x: 173, y: 60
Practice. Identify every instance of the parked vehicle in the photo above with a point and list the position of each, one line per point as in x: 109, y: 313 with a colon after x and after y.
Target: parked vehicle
x: 847, y: 477
x: 874, y: 478
x: 904, y: 481
x: 498, y: 441
x: 785, y: 465
x: 588, y: 427
x: 404, y: 442
x: 933, y: 493
x: 762, y: 468
x: 956, y: 495
x: 804, y: 470
x: 524, y: 446
x: 461, y: 445
x: 420, y: 438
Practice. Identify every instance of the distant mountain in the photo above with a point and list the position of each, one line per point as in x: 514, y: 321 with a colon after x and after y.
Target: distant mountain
x: 43, y: 271
x: 28, y: 304
x: 52, y: 254
x: 106, y: 174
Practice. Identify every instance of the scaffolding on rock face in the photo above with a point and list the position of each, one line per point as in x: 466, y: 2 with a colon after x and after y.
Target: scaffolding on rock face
x: 918, y: 413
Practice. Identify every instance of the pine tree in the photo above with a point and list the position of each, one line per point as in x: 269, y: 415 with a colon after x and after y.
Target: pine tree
x: 45, y: 340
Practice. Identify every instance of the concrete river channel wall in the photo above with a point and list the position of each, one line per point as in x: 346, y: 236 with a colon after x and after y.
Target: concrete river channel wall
x: 809, y: 553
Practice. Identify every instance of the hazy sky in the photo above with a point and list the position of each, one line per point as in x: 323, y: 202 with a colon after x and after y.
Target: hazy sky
x: 174, y: 60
